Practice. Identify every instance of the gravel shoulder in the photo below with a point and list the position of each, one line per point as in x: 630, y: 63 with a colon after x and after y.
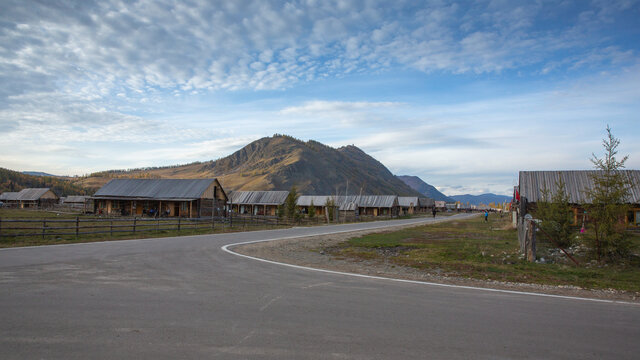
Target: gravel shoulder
x: 309, y: 252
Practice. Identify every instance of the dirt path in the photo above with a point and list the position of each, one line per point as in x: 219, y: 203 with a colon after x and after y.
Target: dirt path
x: 309, y: 252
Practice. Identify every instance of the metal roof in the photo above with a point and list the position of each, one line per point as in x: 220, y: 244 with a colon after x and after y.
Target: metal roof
x: 318, y: 200
x: 426, y: 202
x: 74, y: 199
x: 258, y: 197
x: 408, y: 201
x: 9, y: 196
x: 348, y: 206
x: 174, y: 189
x: 377, y: 201
x: 32, y: 194
x: 576, y: 182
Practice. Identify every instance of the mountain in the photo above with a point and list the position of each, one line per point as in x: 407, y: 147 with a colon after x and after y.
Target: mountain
x: 15, y: 181
x: 423, y: 188
x: 280, y: 162
x: 38, y: 173
x: 485, y: 199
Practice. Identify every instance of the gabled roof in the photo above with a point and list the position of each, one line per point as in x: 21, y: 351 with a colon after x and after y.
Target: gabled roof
x: 408, y: 201
x: 75, y: 199
x: 33, y: 194
x: 576, y: 182
x: 155, y: 188
x: 258, y: 197
x: 360, y: 200
x: 426, y: 202
x: 9, y: 196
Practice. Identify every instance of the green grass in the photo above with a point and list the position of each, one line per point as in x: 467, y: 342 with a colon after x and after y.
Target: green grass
x: 474, y: 249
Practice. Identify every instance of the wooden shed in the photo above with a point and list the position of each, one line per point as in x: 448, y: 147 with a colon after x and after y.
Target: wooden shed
x: 577, y: 183
x: 426, y: 204
x: 161, y: 197
x: 408, y: 204
x: 257, y: 202
x: 361, y: 205
x: 34, y: 198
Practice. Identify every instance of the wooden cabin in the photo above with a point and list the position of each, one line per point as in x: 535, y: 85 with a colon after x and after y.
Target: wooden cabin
x: 577, y: 182
x: 77, y: 202
x: 360, y: 205
x: 32, y: 198
x: 161, y: 197
x: 258, y: 203
x: 408, y: 204
x: 426, y: 204
x: 9, y: 199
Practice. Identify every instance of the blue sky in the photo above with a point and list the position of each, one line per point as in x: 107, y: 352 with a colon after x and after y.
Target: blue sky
x: 463, y: 94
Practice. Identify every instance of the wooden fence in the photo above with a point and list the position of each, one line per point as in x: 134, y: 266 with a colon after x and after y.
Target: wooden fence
x: 90, y: 226
x: 12, y: 228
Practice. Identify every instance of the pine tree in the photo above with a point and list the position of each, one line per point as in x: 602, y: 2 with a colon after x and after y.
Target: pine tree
x: 555, y: 213
x: 291, y: 204
x: 608, y: 202
x: 312, y: 211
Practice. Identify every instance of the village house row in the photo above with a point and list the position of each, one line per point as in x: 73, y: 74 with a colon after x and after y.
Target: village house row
x: 206, y: 197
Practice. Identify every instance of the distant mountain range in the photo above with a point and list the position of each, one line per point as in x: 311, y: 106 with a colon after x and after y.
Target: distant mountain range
x: 423, y: 188
x: 485, y: 199
x: 278, y: 163
x: 38, y: 173
x: 271, y: 163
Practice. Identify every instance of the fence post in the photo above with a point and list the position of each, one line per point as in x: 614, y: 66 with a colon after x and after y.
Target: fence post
x: 111, y: 227
x: 178, y: 224
x: 77, y: 226
x: 134, y: 224
x: 44, y: 225
x: 0, y: 229
x: 158, y: 225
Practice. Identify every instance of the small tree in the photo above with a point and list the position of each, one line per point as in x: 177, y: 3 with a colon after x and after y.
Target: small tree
x: 608, y: 196
x: 555, y: 213
x: 330, y: 206
x: 291, y: 203
x: 281, y: 211
x: 312, y: 211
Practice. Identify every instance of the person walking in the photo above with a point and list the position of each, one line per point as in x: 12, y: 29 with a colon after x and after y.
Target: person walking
x: 434, y: 211
x: 486, y: 216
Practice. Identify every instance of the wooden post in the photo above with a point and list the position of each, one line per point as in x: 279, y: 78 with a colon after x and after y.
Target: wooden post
x: 44, y: 225
x: 134, y: 224
x: 0, y: 229
x: 530, y: 241
x: 111, y: 227
x: 178, y: 223
x: 77, y: 226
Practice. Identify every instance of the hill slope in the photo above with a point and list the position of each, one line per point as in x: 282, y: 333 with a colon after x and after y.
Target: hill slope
x: 423, y: 188
x: 15, y: 181
x: 485, y: 199
x: 279, y: 162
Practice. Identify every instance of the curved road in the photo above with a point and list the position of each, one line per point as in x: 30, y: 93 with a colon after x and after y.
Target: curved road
x: 186, y: 298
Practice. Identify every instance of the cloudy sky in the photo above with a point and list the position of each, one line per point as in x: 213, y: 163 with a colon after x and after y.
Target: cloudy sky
x: 463, y: 94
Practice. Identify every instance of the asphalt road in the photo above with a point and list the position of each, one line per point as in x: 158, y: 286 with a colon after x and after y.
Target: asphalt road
x: 185, y: 298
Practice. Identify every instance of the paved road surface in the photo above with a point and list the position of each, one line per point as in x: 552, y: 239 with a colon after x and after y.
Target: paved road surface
x: 185, y: 298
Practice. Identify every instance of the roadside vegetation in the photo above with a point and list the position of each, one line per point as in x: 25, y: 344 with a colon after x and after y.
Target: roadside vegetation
x: 474, y: 249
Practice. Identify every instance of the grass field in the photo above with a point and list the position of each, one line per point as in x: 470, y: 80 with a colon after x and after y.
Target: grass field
x: 475, y: 249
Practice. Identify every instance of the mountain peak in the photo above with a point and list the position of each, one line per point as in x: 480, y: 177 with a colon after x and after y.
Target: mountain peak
x: 423, y: 188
